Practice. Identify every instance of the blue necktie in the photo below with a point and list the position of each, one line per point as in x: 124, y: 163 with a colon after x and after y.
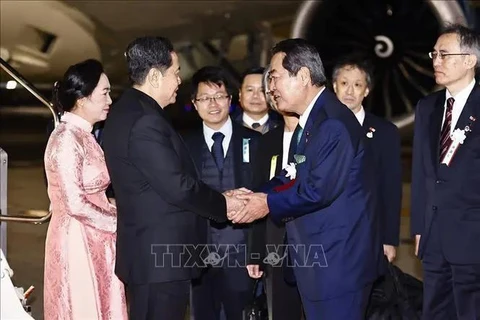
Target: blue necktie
x: 217, y: 149
x: 297, y: 135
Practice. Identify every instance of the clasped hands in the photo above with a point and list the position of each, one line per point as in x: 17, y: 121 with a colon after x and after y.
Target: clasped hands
x: 245, y: 206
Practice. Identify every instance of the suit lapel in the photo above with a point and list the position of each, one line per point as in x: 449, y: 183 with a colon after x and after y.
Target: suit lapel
x: 367, y: 122
x: 317, y: 115
x: 470, y: 108
x: 196, y: 150
x: 435, y: 125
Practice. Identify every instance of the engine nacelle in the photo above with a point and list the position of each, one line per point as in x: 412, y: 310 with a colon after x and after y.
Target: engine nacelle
x: 396, y: 35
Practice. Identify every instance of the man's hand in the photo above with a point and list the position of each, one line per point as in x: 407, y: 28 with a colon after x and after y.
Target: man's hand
x: 234, y: 205
x: 390, y: 252
x: 256, y: 207
x: 254, y: 271
x: 417, y: 242
x: 236, y: 192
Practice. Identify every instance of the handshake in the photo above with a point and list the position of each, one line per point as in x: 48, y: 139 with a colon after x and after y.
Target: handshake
x: 245, y: 206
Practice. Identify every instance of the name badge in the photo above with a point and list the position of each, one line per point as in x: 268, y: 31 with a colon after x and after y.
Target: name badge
x: 273, y: 166
x: 246, y: 150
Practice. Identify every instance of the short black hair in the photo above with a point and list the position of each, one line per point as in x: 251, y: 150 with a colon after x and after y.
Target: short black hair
x: 256, y: 70
x: 212, y: 74
x: 146, y: 53
x: 78, y: 82
x: 300, y: 53
x: 469, y: 39
x: 358, y: 61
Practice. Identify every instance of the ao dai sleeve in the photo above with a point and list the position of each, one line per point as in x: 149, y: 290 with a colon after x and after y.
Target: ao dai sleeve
x: 68, y: 160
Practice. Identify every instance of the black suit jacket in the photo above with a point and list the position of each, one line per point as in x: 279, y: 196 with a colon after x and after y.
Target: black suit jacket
x: 386, y: 148
x: 244, y: 171
x: 450, y: 195
x: 162, y: 204
x: 274, y: 119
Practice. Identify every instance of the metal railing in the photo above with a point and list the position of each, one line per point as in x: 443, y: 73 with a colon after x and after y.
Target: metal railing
x: 4, y: 217
x: 30, y: 87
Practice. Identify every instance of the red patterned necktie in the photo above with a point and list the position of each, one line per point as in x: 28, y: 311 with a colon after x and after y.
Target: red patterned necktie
x: 445, y: 133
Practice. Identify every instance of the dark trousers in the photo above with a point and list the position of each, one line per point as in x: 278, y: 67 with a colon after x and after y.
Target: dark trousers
x: 283, y: 298
x: 450, y: 291
x: 227, y: 287
x: 350, y: 306
x: 164, y: 300
x: 282, y: 292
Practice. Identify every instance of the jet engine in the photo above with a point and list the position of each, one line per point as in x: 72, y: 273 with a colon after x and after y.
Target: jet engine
x: 396, y: 35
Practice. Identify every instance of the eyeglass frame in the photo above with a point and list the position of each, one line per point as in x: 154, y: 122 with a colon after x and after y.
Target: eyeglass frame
x: 204, y: 100
x: 434, y: 55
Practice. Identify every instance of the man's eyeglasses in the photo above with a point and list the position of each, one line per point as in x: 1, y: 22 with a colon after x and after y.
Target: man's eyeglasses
x: 434, y: 55
x: 217, y: 99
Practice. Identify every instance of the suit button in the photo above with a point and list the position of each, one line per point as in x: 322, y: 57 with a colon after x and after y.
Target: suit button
x: 438, y: 181
x: 434, y: 207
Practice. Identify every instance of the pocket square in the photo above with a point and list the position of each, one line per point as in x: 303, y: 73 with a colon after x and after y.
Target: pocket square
x: 299, y: 158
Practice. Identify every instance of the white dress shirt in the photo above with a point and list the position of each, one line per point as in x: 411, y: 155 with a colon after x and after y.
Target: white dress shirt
x: 287, y: 138
x: 460, y: 100
x: 249, y: 121
x: 226, y: 129
x: 360, y: 115
x: 302, y: 121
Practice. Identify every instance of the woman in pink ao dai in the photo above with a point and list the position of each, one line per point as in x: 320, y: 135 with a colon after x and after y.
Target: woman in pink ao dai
x: 79, y: 279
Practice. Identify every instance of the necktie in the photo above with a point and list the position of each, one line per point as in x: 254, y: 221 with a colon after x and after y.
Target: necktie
x: 255, y: 125
x: 217, y: 149
x: 446, y: 128
x: 297, y: 135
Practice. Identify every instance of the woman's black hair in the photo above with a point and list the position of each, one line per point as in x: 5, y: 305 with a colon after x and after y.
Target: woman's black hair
x: 78, y: 82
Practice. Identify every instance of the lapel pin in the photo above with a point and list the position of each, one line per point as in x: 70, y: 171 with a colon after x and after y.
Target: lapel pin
x: 370, y: 132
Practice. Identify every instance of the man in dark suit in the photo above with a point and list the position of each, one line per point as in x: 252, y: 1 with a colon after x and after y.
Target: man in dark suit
x: 352, y: 81
x: 326, y: 198
x: 224, y: 152
x: 283, y: 299
x: 445, y: 180
x: 163, y: 207
x: 255, y: 113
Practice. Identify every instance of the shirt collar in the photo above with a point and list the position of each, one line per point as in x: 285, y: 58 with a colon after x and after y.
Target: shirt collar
x: 226, y: 129
x: 360, y: 115
x: 462, y: 96
x: 249, y: 121
x: 302, y: 121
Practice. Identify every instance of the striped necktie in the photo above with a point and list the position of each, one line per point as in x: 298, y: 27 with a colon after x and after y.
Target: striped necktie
x: 446, y: 129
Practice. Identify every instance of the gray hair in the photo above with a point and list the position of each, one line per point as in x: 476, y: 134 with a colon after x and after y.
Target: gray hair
x: 355, y: 61
x: 298, y: 54
x: 468, y: 38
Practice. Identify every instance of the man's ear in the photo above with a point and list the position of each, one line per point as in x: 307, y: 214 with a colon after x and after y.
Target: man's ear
x: 335, y: 87
x: 367, y: 91
x: 471, y: 61
x: 304, y: 74
x: 194, y: 104
x: 154, y: 77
